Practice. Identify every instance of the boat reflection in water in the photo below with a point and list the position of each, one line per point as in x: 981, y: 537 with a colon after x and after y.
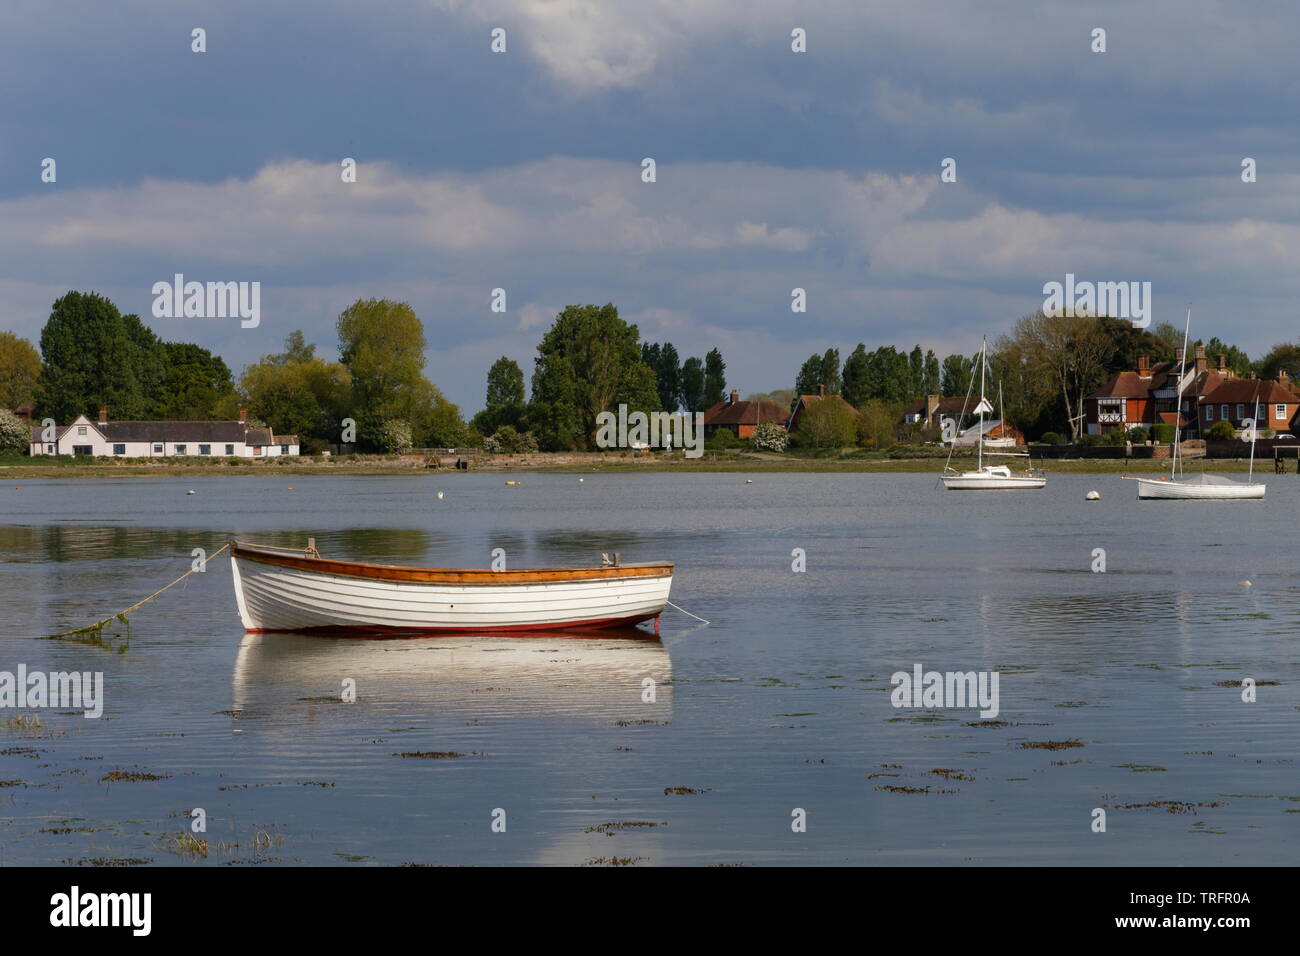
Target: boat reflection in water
x: 466, y: 676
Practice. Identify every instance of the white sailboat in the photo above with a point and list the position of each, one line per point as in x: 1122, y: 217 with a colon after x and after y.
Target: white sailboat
x: 1180, y: 486
x: 1003, y: 442
x: 986, y: 477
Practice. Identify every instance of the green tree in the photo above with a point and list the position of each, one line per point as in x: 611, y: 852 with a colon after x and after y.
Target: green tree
x: 715, y: 379
x: 594, y: 340
x: 857, y: 377
x: 1221, y: 431
x: 297, y: 393
x: 668, y: 375
x: 93, y: 355
x: 930, y: 384
x: 296, y: 350
x: 381, y: 343
x: 809, y: 377
x: 916, y: 361
x: 505, y: 403
x: 1234, y: 358
x: 1283, y: 357
x: 693, y: 385
x: 889, y: 374
x: 877, y: 424
x: 785, y: 397
x: 20, y: 370
x: 196, y: 385
x: 955, y: 375
x: 831, y: 371
x: 827, y: 424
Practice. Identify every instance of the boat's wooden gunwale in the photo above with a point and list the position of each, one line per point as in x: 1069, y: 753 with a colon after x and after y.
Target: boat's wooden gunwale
x: 470, y: 577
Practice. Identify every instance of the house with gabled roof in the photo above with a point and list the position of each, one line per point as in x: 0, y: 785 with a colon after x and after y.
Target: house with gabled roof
x: 1151, y: 395
x: 134, y: 439
x: 742, y: 417
x: 1271, y: 405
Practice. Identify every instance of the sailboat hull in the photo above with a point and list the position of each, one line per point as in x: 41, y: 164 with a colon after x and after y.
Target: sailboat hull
x: 979, y: 482
x: 1153, y: 488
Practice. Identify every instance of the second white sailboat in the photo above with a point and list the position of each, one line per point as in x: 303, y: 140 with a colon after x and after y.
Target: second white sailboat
x: 986, y: 477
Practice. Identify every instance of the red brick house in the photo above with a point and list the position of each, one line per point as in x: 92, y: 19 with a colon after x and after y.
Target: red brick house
x: 1149, y: 396
x: 742, y: 417
x: 1272, y: 405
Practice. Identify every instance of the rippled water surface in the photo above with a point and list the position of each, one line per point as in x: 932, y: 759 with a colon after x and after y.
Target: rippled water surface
x: 782, y: 703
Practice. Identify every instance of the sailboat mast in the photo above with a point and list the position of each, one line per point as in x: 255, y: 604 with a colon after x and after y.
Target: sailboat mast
x: 1254, y: 433
x: 984, y: 345
x: 1178, y: 403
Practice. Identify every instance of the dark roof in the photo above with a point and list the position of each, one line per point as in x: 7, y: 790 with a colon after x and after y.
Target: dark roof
x: 1249, y: 390
x: 745, y: 413
x: 1124, y: 385
x: 173, y: 431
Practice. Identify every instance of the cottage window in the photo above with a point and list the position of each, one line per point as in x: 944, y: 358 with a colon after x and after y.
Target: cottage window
x: 284, y: 449
x: 119, y: 449
x: 157, y: 449
x: 1279, y: 412
x: 230, y: 449
x: 1110, y: 410
x: 181, y: 449
x: 81, y: 430
x: 1209, y: 413
x: 49, y: 449
x: 205, y: 449
x: 1241, y: 410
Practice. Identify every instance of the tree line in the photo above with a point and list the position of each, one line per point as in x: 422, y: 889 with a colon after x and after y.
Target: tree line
x: 590, y: 360
x: 374, y: 393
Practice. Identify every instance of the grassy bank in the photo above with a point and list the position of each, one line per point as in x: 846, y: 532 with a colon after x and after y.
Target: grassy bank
x: 17, y: 468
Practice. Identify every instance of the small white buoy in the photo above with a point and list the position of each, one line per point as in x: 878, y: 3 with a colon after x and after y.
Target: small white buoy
x: 1244, y: 584
x: 440, y: 496
x: 1093, y: 496
x: 582, y: 479
x: 749, y: 481
x: 190, y: 492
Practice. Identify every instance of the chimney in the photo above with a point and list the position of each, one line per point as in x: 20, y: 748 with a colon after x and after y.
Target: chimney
x: 1223, y: 364
x: 1200, y: 357
x: 103, y: 414
x: 1144, y: 366
x: 735, y: 397
x: 821, y: 389
x: 243, y: 415
x: 1282, y: 376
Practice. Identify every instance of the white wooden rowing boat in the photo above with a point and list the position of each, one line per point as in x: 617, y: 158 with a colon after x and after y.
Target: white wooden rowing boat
x: 298, y: 590
x: 1215, y: 487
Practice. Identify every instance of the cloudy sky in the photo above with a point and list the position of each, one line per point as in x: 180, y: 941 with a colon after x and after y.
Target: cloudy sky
x: 775, y: 169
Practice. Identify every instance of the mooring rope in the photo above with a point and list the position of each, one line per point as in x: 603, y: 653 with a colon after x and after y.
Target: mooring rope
x: 687, y: 613
x: 122, y: 614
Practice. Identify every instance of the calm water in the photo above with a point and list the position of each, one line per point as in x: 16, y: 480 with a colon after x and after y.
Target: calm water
x: 782, y: 703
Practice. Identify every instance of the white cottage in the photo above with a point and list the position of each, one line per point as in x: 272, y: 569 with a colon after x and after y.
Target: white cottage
x: 161, y: 439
